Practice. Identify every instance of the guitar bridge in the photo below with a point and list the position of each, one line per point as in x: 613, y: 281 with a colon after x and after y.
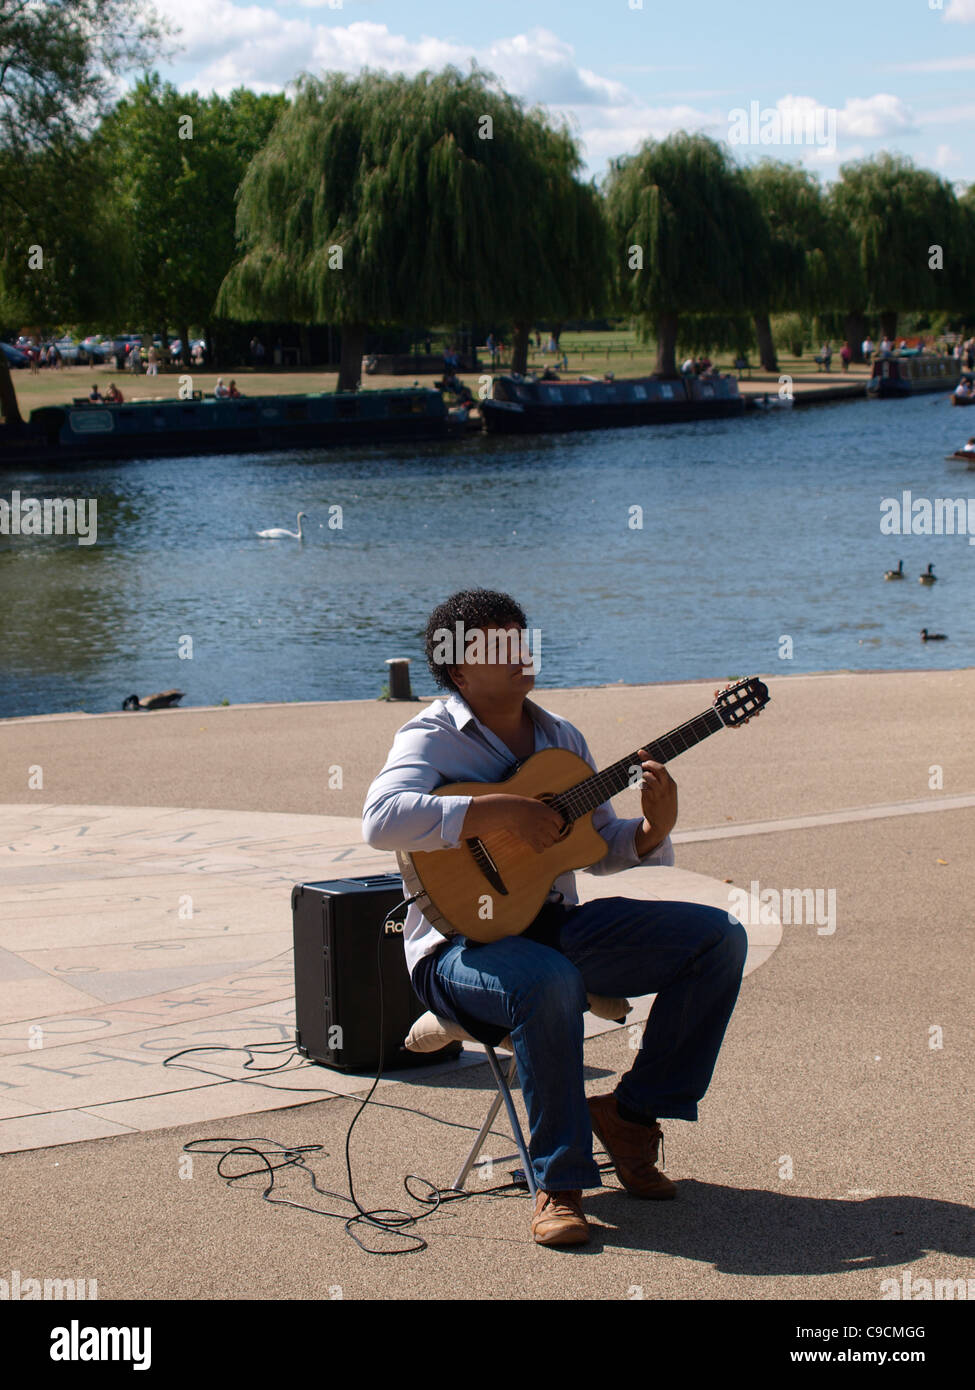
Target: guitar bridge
x: 487, y: 866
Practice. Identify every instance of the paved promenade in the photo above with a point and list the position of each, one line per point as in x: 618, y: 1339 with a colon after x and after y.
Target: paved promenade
x: 145, y: 907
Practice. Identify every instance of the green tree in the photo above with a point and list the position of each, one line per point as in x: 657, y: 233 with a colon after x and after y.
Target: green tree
x: 889, y: 215
x: 59, y: 63
x: 59, y: 60
x: 60, y: 263
x: 439, y: 199
x: 962, y: 262
x: 179, y: 159
x: 688, y: 237
x: 799, y: 235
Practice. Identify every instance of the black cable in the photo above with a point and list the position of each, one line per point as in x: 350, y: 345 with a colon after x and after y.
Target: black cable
x: 389, y: 1220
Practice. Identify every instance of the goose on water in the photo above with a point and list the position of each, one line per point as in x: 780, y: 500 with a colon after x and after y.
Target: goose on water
x: 280, y: 533
x: 933, y: 636
x: 929, y: 577
x: 898, y: 573
x: 162, y: 700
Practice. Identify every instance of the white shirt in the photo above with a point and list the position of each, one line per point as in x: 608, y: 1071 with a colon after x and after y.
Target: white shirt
x: 448, y: 743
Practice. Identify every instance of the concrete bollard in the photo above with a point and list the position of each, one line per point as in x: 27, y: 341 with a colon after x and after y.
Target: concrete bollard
x: 399, y: 678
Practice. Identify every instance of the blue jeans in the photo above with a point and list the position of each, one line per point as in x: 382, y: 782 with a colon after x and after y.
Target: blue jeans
x: 690, y: 956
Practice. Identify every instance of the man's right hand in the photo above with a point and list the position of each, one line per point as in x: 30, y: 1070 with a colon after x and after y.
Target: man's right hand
x: 535, y: 822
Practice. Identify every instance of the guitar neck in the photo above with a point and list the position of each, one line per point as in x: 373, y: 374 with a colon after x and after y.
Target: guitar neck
x: 585, y: 796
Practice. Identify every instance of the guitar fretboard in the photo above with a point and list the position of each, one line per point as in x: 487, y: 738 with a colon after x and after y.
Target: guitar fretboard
x: 586, y: 795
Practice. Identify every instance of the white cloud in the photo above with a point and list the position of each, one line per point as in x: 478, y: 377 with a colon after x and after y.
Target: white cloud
x: 228, y: 44
x: 945, y: 155
x: 876, y: 117
x: 614, y: 131
x: 962, y: 63
x: 961, y: 11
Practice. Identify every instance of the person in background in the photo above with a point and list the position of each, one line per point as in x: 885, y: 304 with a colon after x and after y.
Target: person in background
x: 114, y: 395
x: 232, y: 391
x: 866, y: 348
x: 220, y: 391
x: 94, y: 394
x: 152, y: 368
x: 846, y: 354
x: 969, y: 448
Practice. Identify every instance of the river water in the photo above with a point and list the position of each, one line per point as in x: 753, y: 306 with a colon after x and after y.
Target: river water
x: 753, y: 531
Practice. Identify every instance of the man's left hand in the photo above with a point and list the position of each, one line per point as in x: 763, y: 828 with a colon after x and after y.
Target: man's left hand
x: 658, y: 796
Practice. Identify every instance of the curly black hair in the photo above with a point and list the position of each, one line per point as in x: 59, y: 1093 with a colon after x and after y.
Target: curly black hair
x: 475, y: 608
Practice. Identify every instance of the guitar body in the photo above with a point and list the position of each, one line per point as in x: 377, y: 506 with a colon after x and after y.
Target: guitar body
x: 489, y: 901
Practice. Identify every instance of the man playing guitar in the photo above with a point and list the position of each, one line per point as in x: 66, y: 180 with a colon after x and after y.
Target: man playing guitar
x: 534, y: 985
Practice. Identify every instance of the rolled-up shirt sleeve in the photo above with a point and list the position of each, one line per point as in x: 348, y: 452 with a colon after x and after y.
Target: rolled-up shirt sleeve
x: 400, y: 812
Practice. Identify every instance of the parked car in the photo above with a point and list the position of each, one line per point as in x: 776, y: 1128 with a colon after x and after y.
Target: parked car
x: 121, y: 345
x: 14, y: 356
x: 69, y: 350
x: 94, y: 348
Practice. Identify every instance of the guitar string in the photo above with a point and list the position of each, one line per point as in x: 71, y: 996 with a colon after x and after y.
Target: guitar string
x: 593, y: 791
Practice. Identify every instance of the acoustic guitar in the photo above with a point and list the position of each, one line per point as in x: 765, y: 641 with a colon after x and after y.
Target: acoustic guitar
x: 494, y: 886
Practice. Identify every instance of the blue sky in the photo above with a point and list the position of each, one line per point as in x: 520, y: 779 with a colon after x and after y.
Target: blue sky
x: 865, y: 75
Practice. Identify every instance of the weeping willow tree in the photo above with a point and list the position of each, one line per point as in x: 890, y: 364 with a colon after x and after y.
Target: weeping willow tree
x: 687, y: 237
x: 893, y: 218
x: 799, y: 240
x: 706, y: 333
x: 963, y: 266
x: 437, y: 199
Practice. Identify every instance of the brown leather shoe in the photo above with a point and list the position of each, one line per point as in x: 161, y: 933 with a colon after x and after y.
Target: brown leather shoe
x: 558, y: 1219
x: 633, y: 1149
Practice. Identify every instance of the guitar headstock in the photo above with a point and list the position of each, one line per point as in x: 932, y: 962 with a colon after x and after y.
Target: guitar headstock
x: 741, y: 701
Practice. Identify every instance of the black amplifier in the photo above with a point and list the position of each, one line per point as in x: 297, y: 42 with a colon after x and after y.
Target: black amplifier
x: 337, y: 929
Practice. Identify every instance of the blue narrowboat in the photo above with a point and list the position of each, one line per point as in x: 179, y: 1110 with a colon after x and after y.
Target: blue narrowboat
x: 910, y: 373
x: 139, y: 429
x: 525, y: 405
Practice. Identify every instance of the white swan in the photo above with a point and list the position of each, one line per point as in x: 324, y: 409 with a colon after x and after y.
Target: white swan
x: 279, y: 533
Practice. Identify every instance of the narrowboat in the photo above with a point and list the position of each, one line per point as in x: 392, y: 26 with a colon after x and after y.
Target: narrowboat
x: 525, y: 405
x: 87, y: 431
x: 909, y: 374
